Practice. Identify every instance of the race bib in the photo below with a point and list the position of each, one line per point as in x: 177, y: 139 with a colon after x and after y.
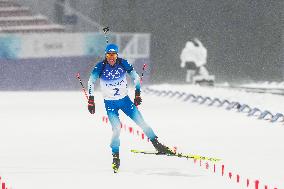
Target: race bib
x: 113, y: 82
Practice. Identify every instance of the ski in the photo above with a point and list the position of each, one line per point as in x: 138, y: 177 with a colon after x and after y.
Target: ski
x: 180, y: 155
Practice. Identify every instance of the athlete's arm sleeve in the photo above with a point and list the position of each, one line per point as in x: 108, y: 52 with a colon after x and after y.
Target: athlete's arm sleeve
x: 132, y: 73
x: 135, y: 77
x: 93, y: 78
x: 128, y: 67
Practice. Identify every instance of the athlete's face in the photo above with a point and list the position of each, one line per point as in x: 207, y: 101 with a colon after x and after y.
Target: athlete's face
x: 111, y: 58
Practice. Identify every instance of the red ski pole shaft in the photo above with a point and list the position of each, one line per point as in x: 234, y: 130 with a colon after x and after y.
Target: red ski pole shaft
x: 143, y: 70
x: 141, y: 79
x: 83, y: 88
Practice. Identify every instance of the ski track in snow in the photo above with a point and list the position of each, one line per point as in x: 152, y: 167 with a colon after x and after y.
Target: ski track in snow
x: 49, y: 140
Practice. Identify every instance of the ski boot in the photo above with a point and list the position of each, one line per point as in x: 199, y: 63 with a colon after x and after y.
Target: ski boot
x: 115, y: 162
x: 162, y: 149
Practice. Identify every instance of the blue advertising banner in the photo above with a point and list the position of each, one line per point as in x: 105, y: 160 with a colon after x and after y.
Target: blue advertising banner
x: 10, y: 46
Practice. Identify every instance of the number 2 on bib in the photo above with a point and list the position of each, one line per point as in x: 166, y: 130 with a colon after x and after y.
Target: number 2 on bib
x: 116, y: 91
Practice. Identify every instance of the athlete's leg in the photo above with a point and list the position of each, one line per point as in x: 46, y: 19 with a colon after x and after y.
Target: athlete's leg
x: 113, y: 116
x: 131, y: 110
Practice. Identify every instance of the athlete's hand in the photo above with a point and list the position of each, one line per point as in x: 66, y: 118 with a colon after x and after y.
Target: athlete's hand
x: 91, y: 105
x: 137, y: 99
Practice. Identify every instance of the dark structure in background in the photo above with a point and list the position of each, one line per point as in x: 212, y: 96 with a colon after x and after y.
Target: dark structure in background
x: 244, y: 38
x: 44, y: 73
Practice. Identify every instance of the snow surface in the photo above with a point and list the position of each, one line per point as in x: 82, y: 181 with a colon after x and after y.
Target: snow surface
x: 268, y: 85
x: 270, y: 102
x: 48, y: 140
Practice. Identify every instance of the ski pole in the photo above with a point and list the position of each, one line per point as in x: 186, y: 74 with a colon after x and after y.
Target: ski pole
x: 106, y: 29
x: 143, y: 70
x: 83, y: 88
x: 141, y: 79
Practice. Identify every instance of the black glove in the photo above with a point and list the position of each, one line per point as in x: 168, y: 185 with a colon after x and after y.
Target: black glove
x: 91, y: 105
x: 137, y: 98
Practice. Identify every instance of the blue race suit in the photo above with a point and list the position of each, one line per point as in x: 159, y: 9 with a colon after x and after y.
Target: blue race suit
x: 114, y: 88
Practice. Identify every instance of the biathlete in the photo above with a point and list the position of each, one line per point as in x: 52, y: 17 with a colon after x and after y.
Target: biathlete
x: 112, y: 73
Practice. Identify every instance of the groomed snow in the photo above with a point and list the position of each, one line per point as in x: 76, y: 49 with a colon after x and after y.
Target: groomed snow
x: 49, y: 140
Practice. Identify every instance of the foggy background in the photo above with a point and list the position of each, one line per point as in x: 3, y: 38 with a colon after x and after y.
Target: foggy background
x: 244, y: 39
